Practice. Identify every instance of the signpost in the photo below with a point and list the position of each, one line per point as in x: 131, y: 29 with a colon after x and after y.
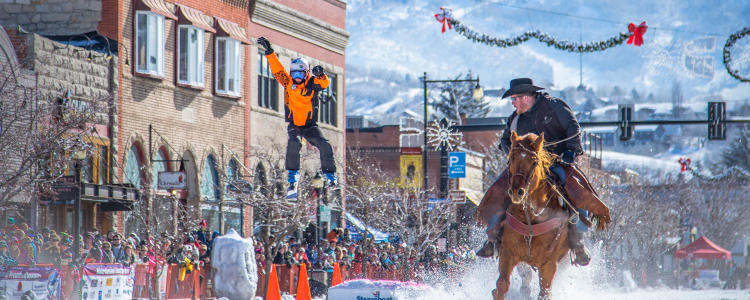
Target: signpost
x: 172, y: 180
x: 457, y: 165
x: 457, y: 197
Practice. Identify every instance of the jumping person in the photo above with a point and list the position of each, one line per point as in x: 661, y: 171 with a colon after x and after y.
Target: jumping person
x: 301, y: 112
x: 538, y: 112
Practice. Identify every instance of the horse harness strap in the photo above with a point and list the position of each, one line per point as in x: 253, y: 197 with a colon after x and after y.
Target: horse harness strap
x: 536, y: 229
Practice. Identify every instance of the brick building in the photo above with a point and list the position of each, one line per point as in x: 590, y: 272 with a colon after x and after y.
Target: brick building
x: 401, y: 157
x: 193, y: 93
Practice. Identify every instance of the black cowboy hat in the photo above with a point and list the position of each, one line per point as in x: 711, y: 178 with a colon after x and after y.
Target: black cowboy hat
x: 520, y: 86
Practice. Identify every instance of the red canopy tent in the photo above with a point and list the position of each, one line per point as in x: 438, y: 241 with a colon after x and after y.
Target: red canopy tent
x: 703, y: 248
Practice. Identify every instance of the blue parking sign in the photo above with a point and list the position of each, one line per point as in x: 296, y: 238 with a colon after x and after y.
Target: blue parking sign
x: 456, y: 164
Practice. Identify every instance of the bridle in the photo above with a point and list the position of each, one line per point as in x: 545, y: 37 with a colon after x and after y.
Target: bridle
x: 528, y: 208
x: 527, y: 178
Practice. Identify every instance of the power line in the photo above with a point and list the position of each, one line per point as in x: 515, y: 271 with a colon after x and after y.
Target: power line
x: 610, y: 21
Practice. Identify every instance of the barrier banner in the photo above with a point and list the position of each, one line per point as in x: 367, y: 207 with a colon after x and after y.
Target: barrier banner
x: 44, y: 282
x: 107, y: 281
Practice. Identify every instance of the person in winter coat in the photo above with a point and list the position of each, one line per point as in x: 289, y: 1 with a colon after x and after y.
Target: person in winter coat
x: 107, y: 256
x: 539, y: 113
x: 301, y: 111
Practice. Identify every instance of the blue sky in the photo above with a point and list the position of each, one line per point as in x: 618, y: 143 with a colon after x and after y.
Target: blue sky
x: 403, y: 36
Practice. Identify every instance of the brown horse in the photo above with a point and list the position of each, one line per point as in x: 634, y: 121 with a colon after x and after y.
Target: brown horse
x: 536, y: 230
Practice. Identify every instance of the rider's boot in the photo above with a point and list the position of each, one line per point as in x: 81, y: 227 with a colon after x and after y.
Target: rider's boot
x: 494, y: 236
x: 575, y: 237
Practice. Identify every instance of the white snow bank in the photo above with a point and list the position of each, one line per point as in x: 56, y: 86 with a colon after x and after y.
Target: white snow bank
x: 364, y: 289
x: 233, y: 260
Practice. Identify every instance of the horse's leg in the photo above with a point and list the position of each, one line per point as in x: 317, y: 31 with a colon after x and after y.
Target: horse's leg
x: 505, y: 267
x: 546, y: 274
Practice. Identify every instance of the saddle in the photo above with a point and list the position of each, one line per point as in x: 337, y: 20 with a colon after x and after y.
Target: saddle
x: 578, y: 190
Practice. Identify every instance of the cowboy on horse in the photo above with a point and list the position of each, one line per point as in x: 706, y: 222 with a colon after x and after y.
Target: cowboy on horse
x: 540, y: 114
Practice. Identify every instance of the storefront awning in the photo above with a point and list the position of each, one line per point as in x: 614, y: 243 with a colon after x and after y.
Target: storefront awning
x: 156, y: 6
x: 231, y: 30
x: 192, y: 16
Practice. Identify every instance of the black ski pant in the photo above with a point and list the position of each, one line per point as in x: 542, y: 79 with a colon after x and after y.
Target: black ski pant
x: 314, y: 137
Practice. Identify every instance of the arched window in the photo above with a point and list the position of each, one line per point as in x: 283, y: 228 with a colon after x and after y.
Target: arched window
x: 232, y: 182
x: 133, y: 174
x: 232, y: 208
x: 159, y: 165
x: 210, y: 180
x: 134, y: 167
x: 210, y: 193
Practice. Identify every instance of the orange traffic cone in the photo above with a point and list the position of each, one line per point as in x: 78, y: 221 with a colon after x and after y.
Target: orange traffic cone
x: 336, y: 278
x: 303, y: 286
x: 273, y: 292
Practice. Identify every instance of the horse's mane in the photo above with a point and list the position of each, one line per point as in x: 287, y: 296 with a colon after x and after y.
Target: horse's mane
x: 545, y: 157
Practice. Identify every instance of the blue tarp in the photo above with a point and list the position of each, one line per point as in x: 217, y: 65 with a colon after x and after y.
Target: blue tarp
x: 356, y: 226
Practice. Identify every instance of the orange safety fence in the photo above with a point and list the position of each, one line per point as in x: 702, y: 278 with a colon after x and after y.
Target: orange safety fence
x: 179, y: 283
x: 185, y: 284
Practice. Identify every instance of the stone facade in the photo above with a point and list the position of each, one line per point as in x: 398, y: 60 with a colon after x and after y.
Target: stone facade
x: 61, y: 67
x: 51, y: 17
x: 56, y: 71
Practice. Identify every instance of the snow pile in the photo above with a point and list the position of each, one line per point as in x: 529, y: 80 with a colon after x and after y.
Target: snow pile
x: 364, y: 289
x: 235, y: 271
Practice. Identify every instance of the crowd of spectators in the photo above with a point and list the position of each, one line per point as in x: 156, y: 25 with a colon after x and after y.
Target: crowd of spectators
x: 339, y: 248
x: 21, y: 245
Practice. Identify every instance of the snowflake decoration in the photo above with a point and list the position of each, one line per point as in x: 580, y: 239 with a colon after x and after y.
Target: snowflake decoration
x: 441, y: 134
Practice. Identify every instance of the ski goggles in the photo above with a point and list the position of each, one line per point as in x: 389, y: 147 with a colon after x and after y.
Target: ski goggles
x: 298, y: 74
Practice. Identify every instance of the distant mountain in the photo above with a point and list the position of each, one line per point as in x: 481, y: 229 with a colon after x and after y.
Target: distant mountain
x: 392, y: 42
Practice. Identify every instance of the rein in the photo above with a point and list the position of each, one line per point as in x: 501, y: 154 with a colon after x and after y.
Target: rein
x: 528, y: 230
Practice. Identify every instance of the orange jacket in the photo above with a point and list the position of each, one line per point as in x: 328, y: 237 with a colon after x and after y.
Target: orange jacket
x: 300, y: 100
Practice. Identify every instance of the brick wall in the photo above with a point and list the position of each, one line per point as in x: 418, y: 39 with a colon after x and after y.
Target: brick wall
x: 194, y: 122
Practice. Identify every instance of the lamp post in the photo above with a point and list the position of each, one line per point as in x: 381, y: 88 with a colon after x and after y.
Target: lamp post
x: 477, y: 94
x: 78, y: 156
x: 317, y: 184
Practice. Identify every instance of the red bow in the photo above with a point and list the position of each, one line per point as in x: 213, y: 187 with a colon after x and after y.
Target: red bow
x: 685, y: 164
x: 636, y: 36
x: 443, y: 16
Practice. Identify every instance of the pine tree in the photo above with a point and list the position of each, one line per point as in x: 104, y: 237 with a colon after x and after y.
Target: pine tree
x: 738, y: 152
x: 456, y: 98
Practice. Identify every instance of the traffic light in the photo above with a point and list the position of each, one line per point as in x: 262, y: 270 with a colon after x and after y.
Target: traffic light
x: 717, y: 114
x: 625, y: 118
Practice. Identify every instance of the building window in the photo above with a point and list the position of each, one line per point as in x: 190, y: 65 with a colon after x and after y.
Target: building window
x: 267, y: 85
x: 158, y: 165
x: 149, y: 48
x: 134, y: 167
x: 190, y: 55
x: 328, y: 102
x: 228, y: 66
x: 95, y: 167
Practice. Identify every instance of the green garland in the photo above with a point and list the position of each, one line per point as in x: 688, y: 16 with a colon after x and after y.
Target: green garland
x: 541, y: 36
x: 728, y: 53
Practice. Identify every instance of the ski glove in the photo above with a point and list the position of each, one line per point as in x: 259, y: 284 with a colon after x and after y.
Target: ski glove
x: 568, y: 157
x: 317, y: 71
x: 262, y: 41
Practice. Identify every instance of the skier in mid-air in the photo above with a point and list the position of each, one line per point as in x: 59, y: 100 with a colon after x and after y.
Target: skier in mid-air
x: 301, y: 111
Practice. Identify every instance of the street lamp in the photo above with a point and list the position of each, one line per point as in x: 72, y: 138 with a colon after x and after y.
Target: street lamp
x: 477, y: 94
x: 78, y: 157
x: 317, y: 183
